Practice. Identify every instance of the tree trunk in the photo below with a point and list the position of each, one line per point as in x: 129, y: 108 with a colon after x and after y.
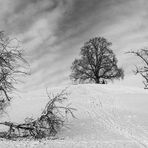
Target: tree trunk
x: 97, y: 81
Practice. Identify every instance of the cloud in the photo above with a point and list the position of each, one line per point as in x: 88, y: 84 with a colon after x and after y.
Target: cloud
x: 85, y: 14
x: 19, y: 15
x: 53, y: 31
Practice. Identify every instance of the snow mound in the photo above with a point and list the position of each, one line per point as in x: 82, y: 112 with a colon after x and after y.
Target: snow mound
x: 106, y: 115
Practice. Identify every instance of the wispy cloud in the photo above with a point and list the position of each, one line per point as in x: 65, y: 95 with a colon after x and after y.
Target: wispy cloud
x: 53, y: 31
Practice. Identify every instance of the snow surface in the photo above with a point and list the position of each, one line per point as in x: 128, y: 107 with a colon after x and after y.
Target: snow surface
x: 107, y: 116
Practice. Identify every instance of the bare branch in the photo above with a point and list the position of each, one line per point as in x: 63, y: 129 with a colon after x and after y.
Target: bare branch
x: 142, y: 70
x: 48, y: 124
x: 12, y: 65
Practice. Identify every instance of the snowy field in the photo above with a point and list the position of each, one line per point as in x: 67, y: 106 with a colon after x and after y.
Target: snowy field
x: 107, y: 116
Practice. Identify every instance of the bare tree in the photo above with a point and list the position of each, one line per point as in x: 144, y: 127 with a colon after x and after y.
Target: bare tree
x: 12, y: 65
x: 97, y: 62
x: 143, y: 69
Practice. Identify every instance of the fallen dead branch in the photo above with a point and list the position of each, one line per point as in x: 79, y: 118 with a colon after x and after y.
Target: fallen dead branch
x: 48, y: 124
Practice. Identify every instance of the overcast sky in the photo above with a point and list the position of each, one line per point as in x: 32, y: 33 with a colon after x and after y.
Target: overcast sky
x: 52, y: 32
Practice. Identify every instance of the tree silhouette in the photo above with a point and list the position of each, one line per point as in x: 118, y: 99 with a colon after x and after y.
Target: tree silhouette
x: 97, y: 62
x: 12, y: 65
x: 143, y: 69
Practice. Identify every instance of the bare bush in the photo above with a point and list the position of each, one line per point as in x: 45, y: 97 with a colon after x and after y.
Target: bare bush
x: 48, y: 124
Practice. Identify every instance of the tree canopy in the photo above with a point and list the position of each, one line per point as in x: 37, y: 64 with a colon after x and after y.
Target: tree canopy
x: 97, y: 62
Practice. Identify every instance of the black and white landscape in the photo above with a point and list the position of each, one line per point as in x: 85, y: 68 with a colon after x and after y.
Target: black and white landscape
x: 73, y: 73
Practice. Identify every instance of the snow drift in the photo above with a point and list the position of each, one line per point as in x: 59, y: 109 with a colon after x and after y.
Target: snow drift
x: 107, y: 115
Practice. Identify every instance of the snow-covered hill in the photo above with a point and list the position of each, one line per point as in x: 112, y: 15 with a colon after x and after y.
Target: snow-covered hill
x: 107, y: 116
